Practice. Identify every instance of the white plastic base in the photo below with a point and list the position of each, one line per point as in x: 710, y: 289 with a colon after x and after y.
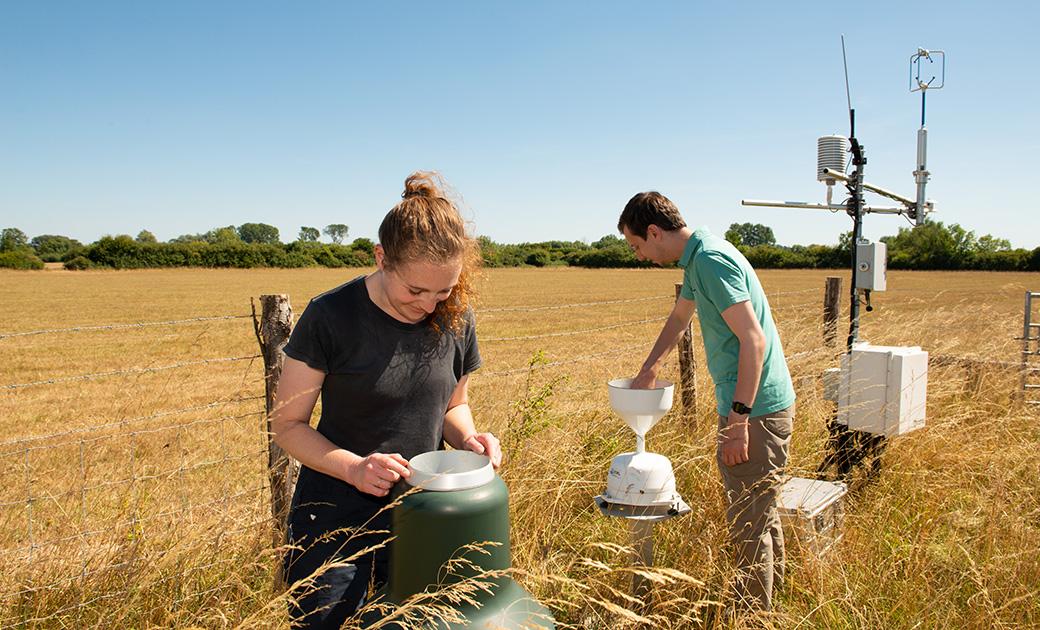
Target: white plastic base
x: 643, y: 479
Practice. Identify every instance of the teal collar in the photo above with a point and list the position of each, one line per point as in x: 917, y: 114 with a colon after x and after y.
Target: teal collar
x: 693, y: 245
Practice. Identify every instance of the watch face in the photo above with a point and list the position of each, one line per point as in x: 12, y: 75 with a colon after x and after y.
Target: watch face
x: 741, y: 408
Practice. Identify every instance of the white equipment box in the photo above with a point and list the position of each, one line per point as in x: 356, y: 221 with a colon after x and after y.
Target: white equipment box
x: 871, y: 266
x: 811, y: 511
x: 883, y: 389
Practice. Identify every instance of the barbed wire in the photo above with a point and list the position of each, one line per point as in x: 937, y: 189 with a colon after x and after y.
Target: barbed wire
x: 76, y: 329
x: 974, y: 361
x: 783, y: 307
x: 779, y: 293
x: 554, y: 307
x: 122, y: 423
x: 132, y: 482
x: 97, y: 375
x: 190, y: 320
x: 131, y: 434
x: 540, y: 366
x: 798, y: 356
x: 569, y: 333
x: 787, y: 319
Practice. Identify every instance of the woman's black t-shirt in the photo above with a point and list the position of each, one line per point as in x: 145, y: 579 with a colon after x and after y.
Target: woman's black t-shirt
x: 387, y: 383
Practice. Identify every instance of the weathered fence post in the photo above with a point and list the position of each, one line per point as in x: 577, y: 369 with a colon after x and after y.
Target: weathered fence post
x: 831, y: 310
x: 687, y: 367
x: 272, y: 331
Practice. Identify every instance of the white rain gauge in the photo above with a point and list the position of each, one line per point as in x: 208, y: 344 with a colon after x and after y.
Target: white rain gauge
x: 641, y: 484
x: 859, y: 431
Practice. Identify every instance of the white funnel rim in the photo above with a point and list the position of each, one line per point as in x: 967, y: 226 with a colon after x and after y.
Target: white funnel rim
x: 626, y: 384
x: 446, y: 471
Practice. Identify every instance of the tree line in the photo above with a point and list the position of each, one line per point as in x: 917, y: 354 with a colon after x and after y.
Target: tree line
x: 931, y: 245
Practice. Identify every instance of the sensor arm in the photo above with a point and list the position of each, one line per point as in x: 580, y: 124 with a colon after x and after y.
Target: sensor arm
x: 910, y: 203
x: 801, y: 205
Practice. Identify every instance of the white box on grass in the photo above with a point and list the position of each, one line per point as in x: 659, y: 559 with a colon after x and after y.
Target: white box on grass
x: 883, y: 390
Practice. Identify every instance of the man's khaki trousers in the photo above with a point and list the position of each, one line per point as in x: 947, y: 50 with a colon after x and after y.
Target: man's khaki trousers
x: 754, y: 524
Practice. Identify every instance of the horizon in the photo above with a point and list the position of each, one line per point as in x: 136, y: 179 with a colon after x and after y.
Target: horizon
x: 324, y: 239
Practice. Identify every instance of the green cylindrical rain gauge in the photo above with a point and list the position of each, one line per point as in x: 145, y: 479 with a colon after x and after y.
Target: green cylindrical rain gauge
x: 456, y: 528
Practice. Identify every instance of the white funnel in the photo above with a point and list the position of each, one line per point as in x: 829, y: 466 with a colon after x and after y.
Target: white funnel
x: 640, y: 408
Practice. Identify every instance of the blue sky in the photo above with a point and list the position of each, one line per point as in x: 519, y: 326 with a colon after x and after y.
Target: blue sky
x: 545, y: 116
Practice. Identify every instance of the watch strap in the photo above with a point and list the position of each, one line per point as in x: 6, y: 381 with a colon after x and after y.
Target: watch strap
x: 741, y: 408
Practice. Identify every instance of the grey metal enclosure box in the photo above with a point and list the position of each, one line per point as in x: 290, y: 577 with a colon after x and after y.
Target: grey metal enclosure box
x: 871, y: 266
x: 811, y: 511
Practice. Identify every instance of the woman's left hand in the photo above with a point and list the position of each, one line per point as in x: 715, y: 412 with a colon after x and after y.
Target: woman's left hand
x: 485, y: 444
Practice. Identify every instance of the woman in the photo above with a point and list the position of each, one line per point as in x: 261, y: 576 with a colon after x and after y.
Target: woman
x: 390, y: 354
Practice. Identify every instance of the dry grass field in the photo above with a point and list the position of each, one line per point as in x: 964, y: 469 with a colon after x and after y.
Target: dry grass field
x: 132, y: 458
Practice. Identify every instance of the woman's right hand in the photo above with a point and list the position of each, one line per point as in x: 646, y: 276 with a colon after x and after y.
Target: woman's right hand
x: 377, y: 473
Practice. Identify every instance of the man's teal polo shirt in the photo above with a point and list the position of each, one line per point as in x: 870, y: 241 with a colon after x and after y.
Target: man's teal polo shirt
x: 716, y: 276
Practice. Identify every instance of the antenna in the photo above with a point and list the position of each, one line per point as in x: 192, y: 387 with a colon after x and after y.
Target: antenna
x: 848, y: 93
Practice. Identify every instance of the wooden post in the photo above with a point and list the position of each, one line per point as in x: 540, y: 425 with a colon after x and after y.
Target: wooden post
x: 272, y: 332
x: 831, y: 310
x: 975, y: 378
x: 687, y: 368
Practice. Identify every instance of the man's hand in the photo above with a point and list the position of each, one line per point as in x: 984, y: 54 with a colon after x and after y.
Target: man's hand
x: 485, y: 444
x: 734, y: 440
x: 377, y: 473
x: 672, y: 331
x: 644, y: 380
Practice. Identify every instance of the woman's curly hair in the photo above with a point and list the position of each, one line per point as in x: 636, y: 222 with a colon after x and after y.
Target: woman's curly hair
x: 427, y: 226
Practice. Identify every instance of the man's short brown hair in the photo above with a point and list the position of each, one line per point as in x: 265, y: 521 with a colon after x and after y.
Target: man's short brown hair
x: 646, y: 209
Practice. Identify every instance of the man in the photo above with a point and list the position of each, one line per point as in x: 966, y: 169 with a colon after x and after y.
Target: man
x: 752, y: 384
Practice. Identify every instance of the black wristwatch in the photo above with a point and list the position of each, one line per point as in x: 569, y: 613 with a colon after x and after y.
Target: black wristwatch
x: 741, y: 408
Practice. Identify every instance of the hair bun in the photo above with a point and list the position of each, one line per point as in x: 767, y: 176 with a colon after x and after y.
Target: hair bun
x: 421, y: 184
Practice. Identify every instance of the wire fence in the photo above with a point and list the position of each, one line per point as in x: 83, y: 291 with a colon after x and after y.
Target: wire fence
x: 83, y: 503
x: 557, y: 307
x: 75, y: 502
x: 98, y: 327
x: 128, y: 371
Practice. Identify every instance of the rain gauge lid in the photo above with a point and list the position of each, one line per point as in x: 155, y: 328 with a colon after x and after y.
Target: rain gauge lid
x: 445, y: 471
